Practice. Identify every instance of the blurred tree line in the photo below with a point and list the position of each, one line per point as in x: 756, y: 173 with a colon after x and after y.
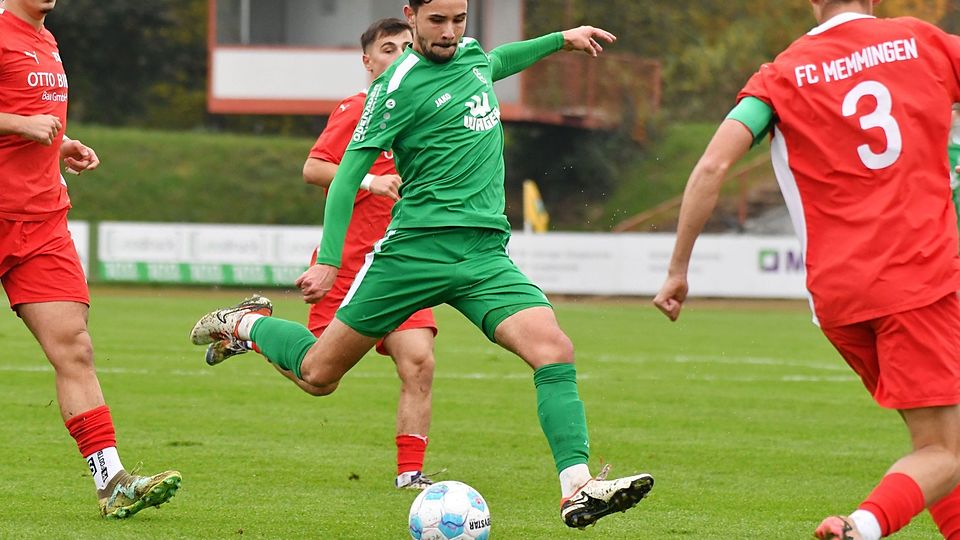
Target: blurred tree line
x: 145, y: 63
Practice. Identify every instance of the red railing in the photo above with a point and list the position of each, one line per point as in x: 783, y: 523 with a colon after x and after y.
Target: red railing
x: 614, y: 91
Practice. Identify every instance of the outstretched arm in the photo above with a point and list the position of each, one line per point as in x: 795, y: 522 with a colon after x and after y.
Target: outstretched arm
x: 512, y: 58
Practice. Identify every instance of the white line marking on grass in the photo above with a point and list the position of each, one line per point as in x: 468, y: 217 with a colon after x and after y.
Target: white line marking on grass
x: 759, y: 361
x: 111, y: 371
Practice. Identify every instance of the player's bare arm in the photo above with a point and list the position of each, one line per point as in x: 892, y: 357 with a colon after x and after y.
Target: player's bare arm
x: 77, y: 156
x: 319, y: 172
x: 586, y: 39
x: 731, y: 141
x: 40, y: 128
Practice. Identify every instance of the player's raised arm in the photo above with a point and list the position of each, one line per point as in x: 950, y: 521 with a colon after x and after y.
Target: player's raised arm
x: 512, y: 58
x: 586, y: 39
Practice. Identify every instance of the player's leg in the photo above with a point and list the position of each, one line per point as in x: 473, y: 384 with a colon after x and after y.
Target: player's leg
x: 946, y: 514
x: 534, y: 335
x: 412, y: 352
x: 376, y: 305
x: 60, y: 328
x: 48, y: 290
x: 320, y: 362
x: 908, y: 362
x: 515, y: 314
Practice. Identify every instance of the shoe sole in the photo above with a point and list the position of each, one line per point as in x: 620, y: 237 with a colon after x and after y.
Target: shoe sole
x: 621, y: 501
x: 160, y: 493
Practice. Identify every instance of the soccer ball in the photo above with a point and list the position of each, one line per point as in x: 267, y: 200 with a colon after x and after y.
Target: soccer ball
x: 449, y: 510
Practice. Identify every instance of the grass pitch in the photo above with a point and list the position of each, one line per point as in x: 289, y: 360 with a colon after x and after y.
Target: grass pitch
x: 747, y: 418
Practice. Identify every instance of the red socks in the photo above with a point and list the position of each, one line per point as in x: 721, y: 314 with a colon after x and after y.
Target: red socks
x: 946, y: 514
x: 410, y: 451
x: 93, y: 430
x: 894, y: 502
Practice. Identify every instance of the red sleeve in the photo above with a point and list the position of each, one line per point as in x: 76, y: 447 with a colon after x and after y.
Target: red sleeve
x: 332, y: 143
x: 757, y: 86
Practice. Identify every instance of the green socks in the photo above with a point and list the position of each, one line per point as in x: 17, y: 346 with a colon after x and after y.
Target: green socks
x: 561, y: 413
x: 284, y: 343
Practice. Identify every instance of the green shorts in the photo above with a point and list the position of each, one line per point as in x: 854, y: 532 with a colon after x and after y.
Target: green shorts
x: 412, y: 269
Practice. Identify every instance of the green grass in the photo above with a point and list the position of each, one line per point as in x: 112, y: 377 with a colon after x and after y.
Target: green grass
x: 748, y: 419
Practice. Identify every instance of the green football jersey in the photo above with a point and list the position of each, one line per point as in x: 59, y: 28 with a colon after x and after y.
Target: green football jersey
x: 953, y: 150
x: 442, y: 122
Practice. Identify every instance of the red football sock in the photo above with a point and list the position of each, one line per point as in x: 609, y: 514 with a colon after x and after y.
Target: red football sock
x: 894, y: 502
x: 93, y: 430
x: 410, y: 451
x: 946, y: 514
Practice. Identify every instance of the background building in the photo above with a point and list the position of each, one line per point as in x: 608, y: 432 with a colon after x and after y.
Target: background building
x: 301, y: 57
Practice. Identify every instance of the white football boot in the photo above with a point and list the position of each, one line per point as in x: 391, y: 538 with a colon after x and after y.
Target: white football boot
x: 600, y: 497
x: 222, y: 324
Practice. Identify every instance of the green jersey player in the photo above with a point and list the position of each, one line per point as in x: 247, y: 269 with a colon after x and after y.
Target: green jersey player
x: 436, y: 108
x: 953, y: 150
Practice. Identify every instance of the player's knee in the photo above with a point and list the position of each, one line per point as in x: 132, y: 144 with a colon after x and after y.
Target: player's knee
x: 320, y: 391
x: 416, y: 371
x: 558, y: 350
x: 73, y: 350
x: 322, y: 382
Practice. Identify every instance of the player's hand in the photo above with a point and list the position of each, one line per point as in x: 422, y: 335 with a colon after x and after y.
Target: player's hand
x: 316, y: 282
x: 586, y: 39
x: 387, y: 185
x: 78, y: 157
x: 41, y: 128
x: 671, y: 297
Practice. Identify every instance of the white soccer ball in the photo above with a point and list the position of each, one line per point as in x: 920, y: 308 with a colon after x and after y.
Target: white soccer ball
x: 449, y: 510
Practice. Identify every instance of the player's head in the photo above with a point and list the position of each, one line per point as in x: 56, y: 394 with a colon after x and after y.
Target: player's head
x: 826, y: 9
x: 383, y: 42
x: 438, y: 26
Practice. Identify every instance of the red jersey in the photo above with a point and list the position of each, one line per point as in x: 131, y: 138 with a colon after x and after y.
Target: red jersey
x: 371, y: 213
x: 862, y: 115
x: 32, y: 81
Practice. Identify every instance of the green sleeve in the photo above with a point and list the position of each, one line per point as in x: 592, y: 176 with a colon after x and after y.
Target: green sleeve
x: 512, y: 58
x: 339, y: 208
x: 756, y: 115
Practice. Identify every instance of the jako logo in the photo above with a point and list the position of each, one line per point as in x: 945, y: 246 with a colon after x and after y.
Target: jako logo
x: 774, y: 260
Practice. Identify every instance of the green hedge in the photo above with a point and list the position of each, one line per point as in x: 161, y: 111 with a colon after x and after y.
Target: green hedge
x: 194, y: 177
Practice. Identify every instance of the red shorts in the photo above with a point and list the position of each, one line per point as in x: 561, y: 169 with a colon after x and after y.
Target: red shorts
x: 322, y: 312
x: 39, y: 262
x: 906, y: 360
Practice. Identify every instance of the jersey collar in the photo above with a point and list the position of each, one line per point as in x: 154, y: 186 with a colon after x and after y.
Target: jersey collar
x: 837, y: 20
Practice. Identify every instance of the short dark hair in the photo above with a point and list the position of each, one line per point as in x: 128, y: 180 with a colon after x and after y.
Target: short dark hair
x: 384, y: 27
x: 415, y: 4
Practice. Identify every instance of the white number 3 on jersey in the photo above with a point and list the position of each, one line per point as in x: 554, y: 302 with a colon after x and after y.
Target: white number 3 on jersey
x: 880, y: 118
